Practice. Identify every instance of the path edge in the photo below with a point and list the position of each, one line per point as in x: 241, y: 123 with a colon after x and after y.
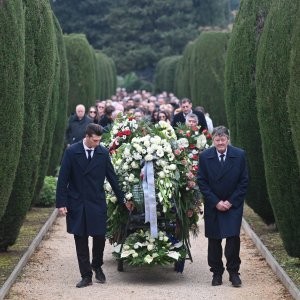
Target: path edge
x: 274, y: 265
x: 26, y: 256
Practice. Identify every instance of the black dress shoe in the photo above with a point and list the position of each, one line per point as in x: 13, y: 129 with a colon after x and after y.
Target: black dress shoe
x: 235, y: 280
x: 217, y: 280
x: 100, y: 275
x: 85, y: 281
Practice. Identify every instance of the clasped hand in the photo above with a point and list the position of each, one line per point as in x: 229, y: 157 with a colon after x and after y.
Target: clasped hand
x: 223, y: 205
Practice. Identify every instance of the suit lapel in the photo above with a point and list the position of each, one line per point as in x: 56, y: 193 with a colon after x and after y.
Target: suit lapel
x: 214, y: 164
x: 228, y: 163
x: 80, y: 156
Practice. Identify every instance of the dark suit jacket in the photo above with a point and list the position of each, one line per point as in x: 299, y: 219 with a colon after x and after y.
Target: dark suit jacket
x: 179, y: 118
x: 80, y: 189
x: 227, y: 183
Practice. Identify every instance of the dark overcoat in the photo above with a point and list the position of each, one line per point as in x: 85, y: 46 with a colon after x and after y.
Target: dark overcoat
x: 217, y: 183
x: 179, y: 118
x: 80, y: 189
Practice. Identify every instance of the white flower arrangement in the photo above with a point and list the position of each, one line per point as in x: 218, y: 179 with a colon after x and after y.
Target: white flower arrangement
x: 140, y: 248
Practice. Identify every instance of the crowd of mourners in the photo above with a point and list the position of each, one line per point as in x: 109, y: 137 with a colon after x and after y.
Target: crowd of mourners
x: 141, y: 105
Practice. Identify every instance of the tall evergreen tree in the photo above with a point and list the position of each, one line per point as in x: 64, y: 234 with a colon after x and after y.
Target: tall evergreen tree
x: 240, y: 98
x: 62, y: 105
x: 39, y: 75
x: 82, y: 72
x: 273, y: 77
x: 207, y: 74
x: 293, y: 102
x: 12, y: 61
x: 212, y: 12
x: 50, y: 123
x: 137, y: 34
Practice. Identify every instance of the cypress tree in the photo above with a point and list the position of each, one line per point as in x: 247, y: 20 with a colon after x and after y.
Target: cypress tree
x: 282, y: 172
x: 51, y: 121
x: 294, y: 90
x: 240, y: 99
x: 207, y: 74
x: 62, y: 105
x: 183, y: 70
x: 39, y: 74
x: 12, y: 61
x: 165, y: 74
x: 82, y: 73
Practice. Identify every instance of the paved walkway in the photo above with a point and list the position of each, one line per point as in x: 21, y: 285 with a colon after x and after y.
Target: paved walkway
x: 53, y: 272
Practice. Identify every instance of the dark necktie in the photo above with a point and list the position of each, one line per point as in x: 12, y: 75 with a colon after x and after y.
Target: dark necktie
x: 222, y: 160
x: 89, y: 154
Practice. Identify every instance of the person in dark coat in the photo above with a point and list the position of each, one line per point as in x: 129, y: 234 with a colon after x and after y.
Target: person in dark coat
x: 80, y: 196
x: 223, y: 181
x: 186, y: 109
x: 76, y: 126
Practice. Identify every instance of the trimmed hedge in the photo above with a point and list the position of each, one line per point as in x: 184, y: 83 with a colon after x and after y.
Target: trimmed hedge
x: 82, y: 72
x: 51, y: 121
x: 39, y: 75
x: 207, y: 74
x: 12, y: 62
x: 182, y: 83
x: 165, y: 71
x: 282, y: 171
x: 293, y: 102
x: 61, y: 122
x: 240, y: 99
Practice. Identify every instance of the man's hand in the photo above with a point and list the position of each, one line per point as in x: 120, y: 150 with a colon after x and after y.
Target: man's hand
x: 227, y: 204
x: 129, y: 205
x: 221, y: 206
x: 62, y: 211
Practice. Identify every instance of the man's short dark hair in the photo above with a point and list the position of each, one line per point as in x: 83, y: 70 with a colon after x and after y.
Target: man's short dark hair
x: 220, y: 131
x: 93, y: 128
x: 186, y: 100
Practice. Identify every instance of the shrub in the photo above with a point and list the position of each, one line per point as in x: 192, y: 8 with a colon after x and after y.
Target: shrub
x: 47, y: 195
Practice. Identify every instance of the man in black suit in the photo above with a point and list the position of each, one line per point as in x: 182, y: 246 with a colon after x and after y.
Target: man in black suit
x: 81, y: 197
x: 186, y: 107
x: 223, y: 180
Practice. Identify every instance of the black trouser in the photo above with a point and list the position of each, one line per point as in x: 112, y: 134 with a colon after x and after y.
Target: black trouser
x: 83, y: 254
x: 232, y: 254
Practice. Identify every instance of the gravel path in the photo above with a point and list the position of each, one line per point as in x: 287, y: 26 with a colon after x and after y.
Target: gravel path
x: 53, y: 272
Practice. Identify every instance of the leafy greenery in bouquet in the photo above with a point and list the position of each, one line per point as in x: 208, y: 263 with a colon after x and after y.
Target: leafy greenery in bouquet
x: 140, y: 249
x: 190, y: 142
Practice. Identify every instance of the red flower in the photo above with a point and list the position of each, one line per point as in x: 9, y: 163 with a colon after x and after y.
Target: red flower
x: 127, y: 132
x: 195, y: 157
x: 188, y: 134
x: 120, y: 134
x: 131, y: 118
x: 195, y: 168
x: 192, y: 146
x: 208, y: 136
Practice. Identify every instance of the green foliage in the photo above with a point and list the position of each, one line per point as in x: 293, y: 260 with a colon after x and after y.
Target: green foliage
x: 47, y: 195
x: 183, y: 73
x: 294, y: 90
x: 240, y: 99
x: 132, y: 81
x: 137, y: 34
x: 212, y: 12
x: 82, y: 73
x: 62, y: 105
x: 282, y: 171
x: 207, y: 66
x: 39, y: 76
x: 51, y: 121
x: 12, y: 62
x: 107, y: 78
x: 165, y: 72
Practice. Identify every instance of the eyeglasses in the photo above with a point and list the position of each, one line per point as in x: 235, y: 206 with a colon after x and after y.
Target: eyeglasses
x: 92, y: 112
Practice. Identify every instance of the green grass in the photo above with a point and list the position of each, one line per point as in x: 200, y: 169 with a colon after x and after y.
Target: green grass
x: 269, y: 235
x: 35, y: 219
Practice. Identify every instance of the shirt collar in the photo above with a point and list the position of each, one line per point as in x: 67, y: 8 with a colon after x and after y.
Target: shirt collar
x: 219, y: 154
x: 86, y: 147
